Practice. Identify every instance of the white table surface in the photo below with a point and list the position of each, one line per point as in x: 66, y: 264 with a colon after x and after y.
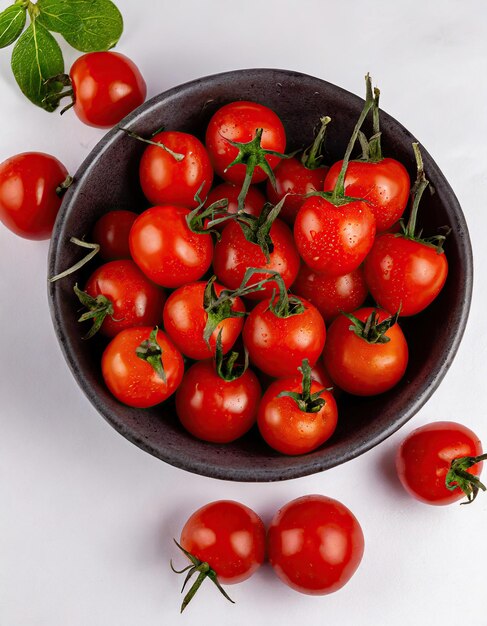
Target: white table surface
x: 86, y: 518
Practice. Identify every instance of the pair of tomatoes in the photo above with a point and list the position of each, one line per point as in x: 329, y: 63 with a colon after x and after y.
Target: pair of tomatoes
x: 314, y: 543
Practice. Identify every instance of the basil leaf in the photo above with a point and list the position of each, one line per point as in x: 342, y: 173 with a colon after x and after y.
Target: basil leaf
x: 87, y: 25
x: 35, y: 58
x: 12, y: 22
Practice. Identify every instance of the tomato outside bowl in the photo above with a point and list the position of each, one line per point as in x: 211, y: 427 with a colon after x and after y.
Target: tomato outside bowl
x: 108, y: 179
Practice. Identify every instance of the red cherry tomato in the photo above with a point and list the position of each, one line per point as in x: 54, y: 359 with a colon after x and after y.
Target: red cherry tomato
x: 403, y: 273
x: 278, y: 345
x: 360, y: 367
x: 185, y: 320
x: 131, y: 379
x: 166, y: 250
x: 384, y: 185
x: 238, y: 122
x: 289, y: 429
x: 331, y: 294
x: 254, y: 200
x: 214, y: 409
x: 315, y: 544
x: 234, y: 255
x: 135, y: 300
x: 334, y: 239
x: 425, y: 456
x: 294, y: 178
x: 107, y: 86
x: 111, y: 232
x: 167, y: 180
x: 228, y: 536
x: 29, y: 202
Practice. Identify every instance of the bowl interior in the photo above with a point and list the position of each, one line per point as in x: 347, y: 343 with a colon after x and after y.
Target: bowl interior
x: 108, y: 179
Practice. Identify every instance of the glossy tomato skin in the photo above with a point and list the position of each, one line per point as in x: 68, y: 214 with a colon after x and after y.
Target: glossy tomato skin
x: 136, y: 300
x: 294, y: 178
x: 362, y: 368
x: 404, y: 273
x: 29, y: 203
x: 132, y: 380
x: 315, y: 544
x: 331, y: 294
x: 185, y: 320
x: 383, y: 185
x: 334, y: 240
x: 228, y: 536
x: 278, y: 345
x: 111, y: 232
x: 214, y: 409
x: 165, y: 180
x: 107, y: 86
x: 234, y: 255
x: 238, y: 122
x: 254, y: 200
x: 289, y: 430
x: 423, y: 460
x: 166, y: 250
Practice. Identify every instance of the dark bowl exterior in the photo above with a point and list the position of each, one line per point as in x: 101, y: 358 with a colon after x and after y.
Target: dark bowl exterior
x: 109, y: 179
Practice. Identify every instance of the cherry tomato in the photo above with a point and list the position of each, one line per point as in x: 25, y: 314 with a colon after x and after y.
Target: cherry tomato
x: 238, y: 122
x: 234, y: 255
x: 331, y: 294
x: 294, y: 178
x: 29, y: 201
x: 107, y: 86
x: 359, y: 366
x: 175, y: 179
x: 384, y: 185
x: 130, y: 378
x: 254, y: 200
x: 334, y: 239
x: 185, y: 319
x: 214, y: 409
x: 278, y: 345
x: 401, y: 272
x: 315, y: 544
x: 424, y: 459
x: 289, y: 429
x: 111, y: 232
x: 166, y: 250
x: 133, y: 298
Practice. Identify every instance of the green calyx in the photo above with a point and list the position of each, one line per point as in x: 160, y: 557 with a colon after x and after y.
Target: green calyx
x: 218, y: 308
x: 94, y: 249
x: 151, y: 352
x: 202, y: 220
x: 177, y: 156
x: 312, y: 157
x: 307, y: 402
x: 372, y: 331
x: 256, y: 229
x: 98, y: 309
x: 371, y: 148
x: 459, y: 478
x: 227, y: 367
x: 202, y: 570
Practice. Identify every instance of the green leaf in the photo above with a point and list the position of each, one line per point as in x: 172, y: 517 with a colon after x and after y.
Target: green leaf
x: 35, y: 58
x: 87, y: 25
x: 12, y: 22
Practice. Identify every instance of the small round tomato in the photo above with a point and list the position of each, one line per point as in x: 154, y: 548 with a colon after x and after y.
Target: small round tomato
x: 128, y: 374
x: 315, y: 544
x: 383, y: 184
x: 214, y: 409
x: 369, y: 359
x: 111, y: 232
x: 238, y: 122
x: 123, y: 297
x: 175, y: 178
x: 29, y: 196
x: 107, y: 86
x: 331, y: 295
x: 166, y: 250
x: 430, y: 456
x: 254, y: 200
x: 185, y: 320
x: 234, y: 255
x: 278, y: 344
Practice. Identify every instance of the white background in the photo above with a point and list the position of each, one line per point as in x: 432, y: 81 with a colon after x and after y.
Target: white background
x: 86, y: 518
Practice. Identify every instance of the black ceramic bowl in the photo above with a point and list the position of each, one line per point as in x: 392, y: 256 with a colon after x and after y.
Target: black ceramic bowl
x: 109, y: 179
